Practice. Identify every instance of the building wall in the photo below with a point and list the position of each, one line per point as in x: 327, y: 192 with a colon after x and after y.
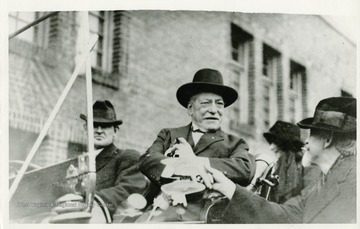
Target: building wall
x: 161, y: 50
x: 167, y: 48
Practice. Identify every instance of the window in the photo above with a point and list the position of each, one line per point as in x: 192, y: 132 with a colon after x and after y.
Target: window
x: 18, y: 20
x: 100, y: 24
x: 239, y: 76
x: 240, y: 109
x: 96, y: 26
x: 270, y: 71
x: 269, y: 58
x: 296, y: 97
x: 37, y: 34
x: 239, y: 41
x: 266, y: 106
x: 107, y: 55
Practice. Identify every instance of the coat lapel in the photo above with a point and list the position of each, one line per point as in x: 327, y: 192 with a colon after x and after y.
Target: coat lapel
x: 182, y: 132
x: 323, y: 196
x: 207, y: 139
x: 105, y: 156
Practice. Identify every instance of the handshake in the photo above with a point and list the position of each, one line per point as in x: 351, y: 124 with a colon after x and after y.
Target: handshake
x: 183, y: 162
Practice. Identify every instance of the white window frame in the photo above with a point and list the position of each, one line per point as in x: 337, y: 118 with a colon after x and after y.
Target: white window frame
x: 19, y: 22
x: 296, y: 80
x: 239, y: 70
x: 107, y: 46
x: 270, y: 80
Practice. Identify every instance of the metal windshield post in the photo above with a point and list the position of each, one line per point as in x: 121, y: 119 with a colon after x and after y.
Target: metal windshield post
x: 90, y: 192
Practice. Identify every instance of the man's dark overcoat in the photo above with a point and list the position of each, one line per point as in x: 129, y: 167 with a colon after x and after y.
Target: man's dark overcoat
x: 226, y: 153
x: 331, y: 201
x: 118, y: 175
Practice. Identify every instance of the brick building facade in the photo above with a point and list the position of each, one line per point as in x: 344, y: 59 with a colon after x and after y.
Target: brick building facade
x: 281, y: 65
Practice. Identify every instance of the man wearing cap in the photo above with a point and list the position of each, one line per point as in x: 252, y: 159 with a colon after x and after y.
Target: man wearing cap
x: 117, y: 172
x: 184, y: 151
x: 331, y: 146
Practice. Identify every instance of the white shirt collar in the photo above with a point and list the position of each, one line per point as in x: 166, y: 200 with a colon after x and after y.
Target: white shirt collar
x: 196, y: 135
x: 194, y: 126
x: 98, y: 151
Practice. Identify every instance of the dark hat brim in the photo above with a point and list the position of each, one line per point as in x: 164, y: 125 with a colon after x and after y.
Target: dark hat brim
x: 308, y: 124
x: 270, y: 137
x: 273, y: 138
x: 186, y: 91
x: 116, y: 122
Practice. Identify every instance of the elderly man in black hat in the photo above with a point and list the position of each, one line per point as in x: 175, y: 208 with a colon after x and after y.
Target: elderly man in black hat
x: 184, y: 151
x: 331, y: 146
x: 117, y: 172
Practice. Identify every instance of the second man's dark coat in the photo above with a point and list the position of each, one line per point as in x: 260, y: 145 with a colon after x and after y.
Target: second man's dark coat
x: 226, y: 153
x: 118, y: 175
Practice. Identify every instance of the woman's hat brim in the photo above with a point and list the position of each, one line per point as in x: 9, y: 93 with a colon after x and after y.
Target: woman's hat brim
x: 103, y: 121
x: 270, y: 137
x: 274, y: 138
x: 185, y: 92
x: 308, y: 124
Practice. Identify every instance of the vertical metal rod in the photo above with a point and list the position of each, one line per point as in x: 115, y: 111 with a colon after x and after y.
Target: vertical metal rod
x: 91, y: 177
x: 50, y: 119
x: 268, y: 194
x: 89, y: 97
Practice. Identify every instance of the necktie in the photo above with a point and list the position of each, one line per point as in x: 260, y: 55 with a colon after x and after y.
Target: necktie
x: 196, y: 134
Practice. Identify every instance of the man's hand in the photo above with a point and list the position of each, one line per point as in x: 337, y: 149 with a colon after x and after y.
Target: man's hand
x: 222, y: 183
x: 183, y: 149
x: 184, y: 162
x: 186, y: 167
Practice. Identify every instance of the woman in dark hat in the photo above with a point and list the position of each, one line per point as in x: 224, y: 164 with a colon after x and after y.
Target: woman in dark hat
x: 285, y: 145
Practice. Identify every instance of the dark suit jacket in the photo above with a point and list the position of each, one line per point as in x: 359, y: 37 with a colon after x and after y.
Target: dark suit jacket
x: 334, y: 202
x: 117, y: 175
x: 226, y: 153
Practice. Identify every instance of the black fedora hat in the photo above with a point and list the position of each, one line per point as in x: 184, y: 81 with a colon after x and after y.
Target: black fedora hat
x: 103, y: 112
x: 333, y: 114
x: 206, y: 80
x: 285, y: 133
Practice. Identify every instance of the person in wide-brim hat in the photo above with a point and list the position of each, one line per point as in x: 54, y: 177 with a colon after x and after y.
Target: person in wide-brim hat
x: 285, y: 146
x: 286, y: 135
x: 331, y: 147
x: 336, y: 114
x: 117, y: 173
x: 206, y: 80
x: 182, y: 152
